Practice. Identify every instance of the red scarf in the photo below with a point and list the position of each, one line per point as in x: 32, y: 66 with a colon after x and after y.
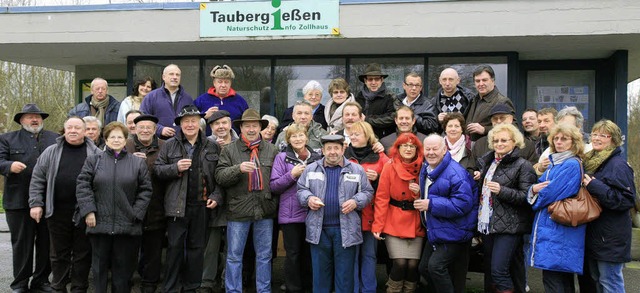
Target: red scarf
x: 255, y: 178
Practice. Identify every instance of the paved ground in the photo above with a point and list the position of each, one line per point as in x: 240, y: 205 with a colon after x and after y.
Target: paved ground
x: 474, y: 280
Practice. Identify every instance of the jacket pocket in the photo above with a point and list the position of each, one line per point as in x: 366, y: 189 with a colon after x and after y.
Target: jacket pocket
x: 16, y: 153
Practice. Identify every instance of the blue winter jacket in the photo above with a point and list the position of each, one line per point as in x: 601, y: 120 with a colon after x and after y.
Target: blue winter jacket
x: 84, y: 109
x: 452, y: 216
x: 554, y: 246
x: 353, y: 185
x: 235, y: 104
x: 158, y: 103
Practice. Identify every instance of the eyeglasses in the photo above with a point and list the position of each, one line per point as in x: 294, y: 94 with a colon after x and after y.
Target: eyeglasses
x: 502, y: 140
x: 411, y: 85
x: 144, y: 127
x: 409, y: 146
x: 600, y: 135
x: 562, y: 139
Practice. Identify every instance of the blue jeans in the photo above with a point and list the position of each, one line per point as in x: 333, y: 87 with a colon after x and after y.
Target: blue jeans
x: 237, y: 233
x: 329, y: 260
x: 503, y: 258
x: 365, y: 265
x: 608, y: 275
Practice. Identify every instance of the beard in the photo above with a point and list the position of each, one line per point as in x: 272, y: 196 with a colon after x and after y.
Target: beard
x: 32, y: 129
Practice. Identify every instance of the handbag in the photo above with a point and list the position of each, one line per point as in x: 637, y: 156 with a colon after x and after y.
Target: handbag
x: 576, y: 210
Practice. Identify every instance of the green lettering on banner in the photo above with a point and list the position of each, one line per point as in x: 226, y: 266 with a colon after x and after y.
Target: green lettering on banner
x: 277, y: 25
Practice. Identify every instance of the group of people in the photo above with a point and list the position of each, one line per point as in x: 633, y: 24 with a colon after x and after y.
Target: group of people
x: 215, y: 181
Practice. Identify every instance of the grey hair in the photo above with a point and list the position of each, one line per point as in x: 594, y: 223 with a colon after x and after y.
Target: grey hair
x: 312, y: 85
x: 443, y: 143
x: 271, y: 119
x: 92, y: 119
x: 93, y: 82
x: 573, y: 111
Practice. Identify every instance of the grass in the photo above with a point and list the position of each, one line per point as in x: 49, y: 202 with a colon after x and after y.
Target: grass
x: 1, y: 206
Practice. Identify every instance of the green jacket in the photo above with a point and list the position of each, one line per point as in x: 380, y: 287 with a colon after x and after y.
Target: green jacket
x: 242, y: 204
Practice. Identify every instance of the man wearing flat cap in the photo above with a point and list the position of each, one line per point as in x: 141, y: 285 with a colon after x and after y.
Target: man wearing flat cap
x: 220, y: 127
x: 378, y: 103
x: 334, y: 189
x: 187, y: 163
x: 19, y: 151
x: 221, y: 96
x: 244, y: 171
x: 145, y: 144
x: 503, y: 114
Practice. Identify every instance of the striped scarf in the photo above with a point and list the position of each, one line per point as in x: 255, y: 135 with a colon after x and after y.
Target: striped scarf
x: 255, y: 178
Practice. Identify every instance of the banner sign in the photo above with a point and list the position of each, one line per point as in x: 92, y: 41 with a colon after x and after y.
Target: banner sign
x: 269, y: 18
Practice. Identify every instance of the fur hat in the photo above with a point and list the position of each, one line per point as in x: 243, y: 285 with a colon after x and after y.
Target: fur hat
x: 223, y: 72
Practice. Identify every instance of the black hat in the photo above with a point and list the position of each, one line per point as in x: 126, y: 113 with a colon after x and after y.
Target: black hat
x: 217, y: 115
x: 332, y: 138
x: 30, y: 109
x: 251, y: 115
x: 145, y: 117
x: 502, y: 109
x: 372, y: 69
x: 188, y: 110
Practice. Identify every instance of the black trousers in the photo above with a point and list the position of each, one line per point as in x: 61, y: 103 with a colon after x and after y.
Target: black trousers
x: 25, y: 234
x: 115, y: 253
x: 70, y: 252
x: 186, y: 238
x: 150, y: 265
x: 558, y: 282
x: 297, y: 264
x: 445, y: 266
x: 504, y: 262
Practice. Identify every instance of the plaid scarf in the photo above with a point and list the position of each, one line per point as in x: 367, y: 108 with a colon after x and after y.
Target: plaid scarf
x: 255, y: 178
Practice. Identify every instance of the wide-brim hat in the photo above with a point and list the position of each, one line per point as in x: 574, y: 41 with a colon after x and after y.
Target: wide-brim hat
x: 251, y: 115
x: 372, y: 69
x: 188, y: 110
x: 29, y: 109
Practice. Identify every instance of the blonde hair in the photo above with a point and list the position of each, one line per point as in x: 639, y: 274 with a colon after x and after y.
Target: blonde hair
x: 607, y: 126
x: 367, y: 130
x: 294, y: 128
x: 577, y: 146
x: 515, y: 134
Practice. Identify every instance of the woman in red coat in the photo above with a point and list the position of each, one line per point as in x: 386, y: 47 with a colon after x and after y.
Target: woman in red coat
x: 360, y: 151
x: 395, y: 215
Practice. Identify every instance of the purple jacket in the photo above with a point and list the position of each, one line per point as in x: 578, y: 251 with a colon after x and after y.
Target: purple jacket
x: 158, y: 103
x: 283, y: 184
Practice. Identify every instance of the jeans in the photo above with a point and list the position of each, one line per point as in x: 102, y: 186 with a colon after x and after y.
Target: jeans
x: 504, y: 262
x: 445, y: 266
x: 332, y: 261
x: 365, y: 265
x: 237, y: 233
x: 558, y: 282
x: 115, y: 253
x: 608, y: 276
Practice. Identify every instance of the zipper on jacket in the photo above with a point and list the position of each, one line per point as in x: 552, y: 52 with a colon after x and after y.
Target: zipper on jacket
x: 534, y: 240
x: 113, y: 195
